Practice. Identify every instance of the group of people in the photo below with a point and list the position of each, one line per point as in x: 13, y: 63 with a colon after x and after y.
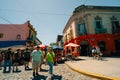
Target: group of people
x: 96, y: 53
x: 37, y: 60
x: 36, y: 56
x: 14, y: 58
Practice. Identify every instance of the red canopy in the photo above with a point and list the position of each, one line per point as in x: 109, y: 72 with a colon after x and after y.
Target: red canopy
x: 41, y: 46
x: 71, y: 45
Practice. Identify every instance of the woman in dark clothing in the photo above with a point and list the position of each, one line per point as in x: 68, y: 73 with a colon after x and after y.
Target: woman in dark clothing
x: 7, y: 60
x: 16, y: 58
x: 26, y: 55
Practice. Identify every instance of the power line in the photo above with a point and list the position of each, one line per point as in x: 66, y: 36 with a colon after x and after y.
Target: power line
x: 28, y: 12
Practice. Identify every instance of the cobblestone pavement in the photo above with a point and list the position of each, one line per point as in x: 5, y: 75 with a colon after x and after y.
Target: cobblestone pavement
x: 61, y: 72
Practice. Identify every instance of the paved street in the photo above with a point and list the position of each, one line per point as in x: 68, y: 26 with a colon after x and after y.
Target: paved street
x: 108, y: 68
x: 62, y: 72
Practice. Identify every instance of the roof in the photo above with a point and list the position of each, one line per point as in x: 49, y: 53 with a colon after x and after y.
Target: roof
x: 83, y: 7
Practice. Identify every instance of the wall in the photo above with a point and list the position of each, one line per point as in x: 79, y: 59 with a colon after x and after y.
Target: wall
x: 10, y: 32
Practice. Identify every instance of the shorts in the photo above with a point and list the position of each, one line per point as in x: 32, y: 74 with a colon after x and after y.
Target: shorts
x: 27, y: 59
x: 16, y: 61
x: 35, y: 64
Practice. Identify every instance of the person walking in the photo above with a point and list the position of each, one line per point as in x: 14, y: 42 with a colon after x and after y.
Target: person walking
x: 49, y: 58
x: 7, y: 60
x: 36, y: 57
x: 26, y: 55
x: 1, y: 59
x: 94, y: 52
x: 16, y: 59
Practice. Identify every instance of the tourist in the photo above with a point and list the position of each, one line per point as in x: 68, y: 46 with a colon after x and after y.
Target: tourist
x: 49, y: 58
x: 36, y: 57
x: 16, y: 59
x: 7, y: 60
x: 26, y: 55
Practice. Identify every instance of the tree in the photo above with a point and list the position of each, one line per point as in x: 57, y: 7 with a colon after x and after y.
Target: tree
x: 52, y: 44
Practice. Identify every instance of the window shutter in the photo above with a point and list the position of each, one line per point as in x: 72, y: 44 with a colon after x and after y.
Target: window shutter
x: 78, y: 29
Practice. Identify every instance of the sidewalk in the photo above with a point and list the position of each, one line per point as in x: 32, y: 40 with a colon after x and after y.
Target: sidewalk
x: 108, y: 68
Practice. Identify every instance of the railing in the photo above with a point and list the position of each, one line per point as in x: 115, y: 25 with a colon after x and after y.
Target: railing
x: 102, y: 30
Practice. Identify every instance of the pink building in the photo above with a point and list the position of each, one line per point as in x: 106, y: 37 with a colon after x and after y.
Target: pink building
x: 16, y: 34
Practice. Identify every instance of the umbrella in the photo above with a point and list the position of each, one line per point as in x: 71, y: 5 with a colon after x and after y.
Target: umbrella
x: 72, y: 45
x: 41, y: 46
x: 57, y: 47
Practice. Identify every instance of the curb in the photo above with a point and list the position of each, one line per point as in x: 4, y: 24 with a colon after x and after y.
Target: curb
x: 99, y: 76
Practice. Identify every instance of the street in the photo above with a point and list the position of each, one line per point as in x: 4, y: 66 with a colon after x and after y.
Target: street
x: 61, y: 72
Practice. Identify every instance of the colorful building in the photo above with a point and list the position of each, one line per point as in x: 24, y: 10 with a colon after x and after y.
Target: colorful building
x: 59, y: 40
x: 17, y: 34
x: 94, y: 25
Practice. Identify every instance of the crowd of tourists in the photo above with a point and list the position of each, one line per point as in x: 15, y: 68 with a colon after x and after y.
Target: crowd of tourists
x: 10, y: 60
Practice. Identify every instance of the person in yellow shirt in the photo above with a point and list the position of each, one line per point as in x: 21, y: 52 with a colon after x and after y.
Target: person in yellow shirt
x: 49, y: 58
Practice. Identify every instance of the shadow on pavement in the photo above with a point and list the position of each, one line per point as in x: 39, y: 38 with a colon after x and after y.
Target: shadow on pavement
x: 40, y: 77
x: 43, y: 70
x: 28, y: 69
x: 79, y: 59
x: 6, y: 71
x: 17, y: 71
x: 56, y: 77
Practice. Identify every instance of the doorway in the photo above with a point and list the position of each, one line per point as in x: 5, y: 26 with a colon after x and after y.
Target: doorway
x: 84, y: 48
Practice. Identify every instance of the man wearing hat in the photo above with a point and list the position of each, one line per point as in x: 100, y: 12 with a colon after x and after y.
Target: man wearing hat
x: 36, y: 58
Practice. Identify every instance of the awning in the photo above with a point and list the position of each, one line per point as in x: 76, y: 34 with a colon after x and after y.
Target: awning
x: 71, y: 45
x: 41, y: 46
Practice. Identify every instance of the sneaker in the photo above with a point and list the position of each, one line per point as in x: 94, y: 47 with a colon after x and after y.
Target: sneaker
x: 37, y: 74
x: 34, y: 74
x: 27, y: 67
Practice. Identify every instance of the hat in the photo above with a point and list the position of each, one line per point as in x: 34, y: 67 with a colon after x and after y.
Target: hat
x: 9, y: 48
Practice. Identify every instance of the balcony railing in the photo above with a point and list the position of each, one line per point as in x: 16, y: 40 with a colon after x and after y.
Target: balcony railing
x: 102, y: 30
x: 116, y: 31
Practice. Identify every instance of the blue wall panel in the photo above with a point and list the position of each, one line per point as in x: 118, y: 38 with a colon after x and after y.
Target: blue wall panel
x: 11, y: 43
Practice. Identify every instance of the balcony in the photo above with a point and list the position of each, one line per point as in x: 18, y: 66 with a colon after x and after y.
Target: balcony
x: 102, y: 30
x: 116, y: 30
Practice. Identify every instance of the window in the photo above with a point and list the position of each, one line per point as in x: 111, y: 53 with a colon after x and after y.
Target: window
x: 98, y: 22
x: 98, y: 25
x: 102, y: 46
x: 18, y: 37
x: 71, y: 34
x: 117, y: 44
x: 81, y: 29
x: 115, y: 25
x: 1, y: 35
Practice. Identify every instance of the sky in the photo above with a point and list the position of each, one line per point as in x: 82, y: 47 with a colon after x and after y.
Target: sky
x: 48, y: 17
